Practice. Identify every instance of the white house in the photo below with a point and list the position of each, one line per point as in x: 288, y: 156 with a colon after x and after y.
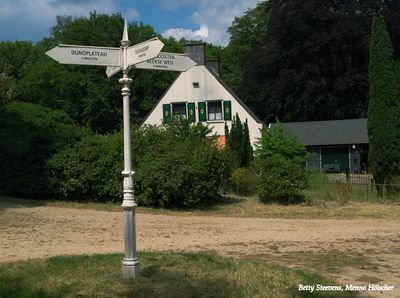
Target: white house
x: 199, y: 95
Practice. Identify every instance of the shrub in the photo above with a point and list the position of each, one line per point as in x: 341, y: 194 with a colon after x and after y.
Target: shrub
x: 277, y: 140
x: 30, y: 135
x: 177, y: 166
x: 344, y: 189
x: 90, y: 170
x: 280, y: 180
x: 243, y: 181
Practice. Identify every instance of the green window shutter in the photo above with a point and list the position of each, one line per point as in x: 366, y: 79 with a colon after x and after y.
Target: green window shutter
x: 202, y: 111
x: 191, y: 111
x: 166, y: 113
x: 227, y: 110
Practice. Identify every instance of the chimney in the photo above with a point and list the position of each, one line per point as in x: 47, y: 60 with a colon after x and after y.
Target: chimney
x: 213, y: 64
x: 196, y: 52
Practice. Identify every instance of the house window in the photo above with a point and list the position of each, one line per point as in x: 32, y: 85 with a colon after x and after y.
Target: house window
x: 214, y: 110
x: 179, y: 110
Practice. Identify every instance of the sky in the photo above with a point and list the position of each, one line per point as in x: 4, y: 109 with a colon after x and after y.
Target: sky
x: 205, y: 20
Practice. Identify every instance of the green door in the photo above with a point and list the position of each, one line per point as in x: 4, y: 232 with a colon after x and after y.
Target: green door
x: 335, y: 159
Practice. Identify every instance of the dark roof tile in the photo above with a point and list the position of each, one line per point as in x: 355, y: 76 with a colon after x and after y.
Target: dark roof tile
x: 331, y: 132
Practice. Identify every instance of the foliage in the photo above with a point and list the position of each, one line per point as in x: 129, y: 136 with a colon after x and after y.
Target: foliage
x: 344, y: 189
x: 243, y: 181
x: 177, y: 166
x: 15, y: 59
x: 246, y: 32
x: 83, y: 92
x: 277, y: 140
x: 384, y: 107
x: 88, y: 171
x: 280, y: 180
x: 310, y: 60
x: 163, y: 274
x: 279, y: 162
x: 30, y: 135
x: 238, y: 141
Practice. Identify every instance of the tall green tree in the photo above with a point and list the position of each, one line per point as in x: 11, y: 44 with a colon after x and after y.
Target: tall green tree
x: 246, y: 32
x: 311, y: 62
x: 384, y: 106
x: 238, y: 141
x: 85, y: 93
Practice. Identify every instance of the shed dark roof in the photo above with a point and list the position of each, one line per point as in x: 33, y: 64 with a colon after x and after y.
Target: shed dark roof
x: 333, y: 132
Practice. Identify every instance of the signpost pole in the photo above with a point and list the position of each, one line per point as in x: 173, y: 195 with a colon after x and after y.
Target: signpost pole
x: 117, y: 59
x: 130, y: 263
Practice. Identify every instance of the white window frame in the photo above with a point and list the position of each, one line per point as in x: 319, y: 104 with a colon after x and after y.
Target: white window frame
x: 222, y: 111
x: 180, y: 116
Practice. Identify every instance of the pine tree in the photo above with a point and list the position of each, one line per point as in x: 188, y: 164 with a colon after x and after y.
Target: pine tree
x: 238, y: 141
x: 246, y: 149
x: 383, y: 108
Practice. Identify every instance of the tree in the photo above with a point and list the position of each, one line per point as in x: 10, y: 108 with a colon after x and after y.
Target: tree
x: 30, y: 135
x: 312, y: 61
x: 15, y: 60
x: 246, y: 33
x: 384, y: 107
x: 278, y: 141
x: 280, y: 166
x: 238, y: 141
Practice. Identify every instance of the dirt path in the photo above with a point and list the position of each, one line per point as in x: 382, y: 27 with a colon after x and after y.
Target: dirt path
x: 355, y: 252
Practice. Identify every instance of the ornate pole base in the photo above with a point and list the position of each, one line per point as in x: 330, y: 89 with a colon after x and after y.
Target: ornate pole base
x: 130, y: 268
x: 130, y: 263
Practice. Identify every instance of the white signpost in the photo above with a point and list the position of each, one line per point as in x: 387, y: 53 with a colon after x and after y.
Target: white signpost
x: 144, y: 51
x: 101, y: 56
x: 119, y: 59
x: 164, y: 61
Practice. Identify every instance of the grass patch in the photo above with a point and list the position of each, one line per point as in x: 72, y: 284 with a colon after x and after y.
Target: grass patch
x: 329, y: 262
x: 163, y: 275
x: 236, y: 206
x: 321, y: 188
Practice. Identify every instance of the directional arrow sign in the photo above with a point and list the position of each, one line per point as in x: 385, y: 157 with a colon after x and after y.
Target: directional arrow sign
x: 168, y: 61
x: 164, y: 61
x: 144, y: 51
x: 70, y: 54
x: 112, y: 70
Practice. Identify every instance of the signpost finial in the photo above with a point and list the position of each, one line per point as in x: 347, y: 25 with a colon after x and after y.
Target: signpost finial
x: 125, y: 41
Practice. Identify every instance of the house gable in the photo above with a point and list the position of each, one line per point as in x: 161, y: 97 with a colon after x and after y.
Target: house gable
x: 199, y: 85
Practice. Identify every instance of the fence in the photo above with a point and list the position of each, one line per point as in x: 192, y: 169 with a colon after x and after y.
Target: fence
x: 355, y: 186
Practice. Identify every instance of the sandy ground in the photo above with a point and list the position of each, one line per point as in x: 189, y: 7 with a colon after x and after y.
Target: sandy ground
x: 32, y: 232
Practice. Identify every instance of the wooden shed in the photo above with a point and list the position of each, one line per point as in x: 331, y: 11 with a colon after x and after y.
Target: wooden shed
x: 335, y: 145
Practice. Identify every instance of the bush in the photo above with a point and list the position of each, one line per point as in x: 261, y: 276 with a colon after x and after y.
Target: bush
x: 30, y: 135
x: 280, y: 180
x: 177, y: 166
x: 243, y: 181
x: 90, y: 170
x: 278, y: 141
